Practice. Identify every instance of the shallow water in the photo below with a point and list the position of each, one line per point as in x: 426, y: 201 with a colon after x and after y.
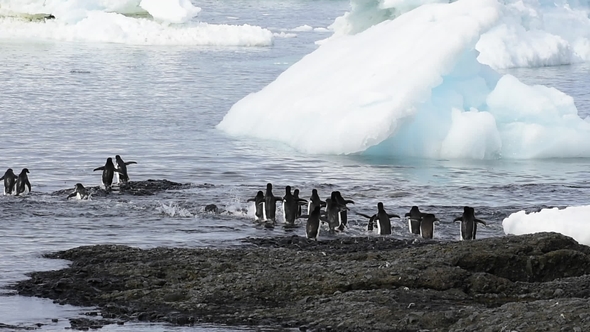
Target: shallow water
x: 66, y: 107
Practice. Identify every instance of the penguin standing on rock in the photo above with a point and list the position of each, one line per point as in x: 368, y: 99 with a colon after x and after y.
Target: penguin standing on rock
x: 9, y: 181
x: 312, y: 228
x: 121, y: 166
x: 22, y: 183
x: 108, y: 172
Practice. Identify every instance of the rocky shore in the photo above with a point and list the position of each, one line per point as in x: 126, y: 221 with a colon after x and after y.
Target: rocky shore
x: 534, y: 282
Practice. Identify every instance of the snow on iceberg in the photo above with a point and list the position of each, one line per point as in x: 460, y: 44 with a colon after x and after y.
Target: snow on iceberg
x: 571, y: 221
x: 172, y: 11
x: 530, y: 33
x: 412, y: 86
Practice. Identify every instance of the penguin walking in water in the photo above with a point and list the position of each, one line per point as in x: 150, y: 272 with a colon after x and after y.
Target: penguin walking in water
x: 121, y: 166
x: 427, y: 225
x: 333, y: 210
x: 259, y: 205
x: 291, y: 206
x: 80, y: 192
x: 312, y: 227
x: 468, y: 225
x: 300, y: 200
x: 22, y: 183
x: 270, y: 203
x: 343, y: 215
x: 381, y: 220
x: 414, y: 220
x: 108, y: 172
x: 314, y: 201
x: 9, y: 181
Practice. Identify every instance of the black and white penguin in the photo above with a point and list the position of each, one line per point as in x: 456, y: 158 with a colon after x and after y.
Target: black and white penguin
x: 79, y: 191
x: 291, y: 206
x: 414, y: 219
x: 270, y: 203
x: 427, y: 225
x: 108, y: 171
x: 314, y: 201
x: 259, y: 205
x: 121, y: 167
x: 468, y: 223
x: 333, y: 210
x: 300, y: 201
x: 381, y: 220
x: 22, y: 183
x: 312, y: 228
x: 343, y: 215
x: 9, y: 181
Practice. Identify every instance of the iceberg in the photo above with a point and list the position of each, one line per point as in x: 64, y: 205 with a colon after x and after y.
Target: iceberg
x: 413, y: 86
x: 571, y: 221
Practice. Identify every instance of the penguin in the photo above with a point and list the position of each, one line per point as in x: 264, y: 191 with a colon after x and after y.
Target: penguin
x: 79, y: 191
x: 468, y: 225
x: 314, y: 201
x: 333, y: 210
x: 121, y: 166
x: 300, y: 201
x: 427, y: 225
x: 291, y: 206
x: 22, y: 183
x: 343, y: 215
x: 312, y: 228
x: 9, y: 181
x: 415, y: 217
x: 259, y: 205
x: 108, y: 171
x: 381, y: 220
x: 270, y: 201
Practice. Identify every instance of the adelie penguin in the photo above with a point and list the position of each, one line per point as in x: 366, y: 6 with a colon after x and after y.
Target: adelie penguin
x: 108, y: 172
x: 259, y: 205
x: 22, y: 183
x: 291, y: 205
x: 314, y: 201
x: 381, y: 220
x: 414, y: 219
x: 333, y: 210
x: 312, y: 228
x: 79, y: 192
x: 300, y: 200
x: 270, y: 203
x: 468, y: 223
x: 427, y: 225
x: 9, y: 181
x: 343, y: 215
x: 121, y: 167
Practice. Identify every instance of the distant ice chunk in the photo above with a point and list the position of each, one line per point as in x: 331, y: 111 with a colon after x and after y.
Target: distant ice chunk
x: 172, y: 11
x: 572, y: 221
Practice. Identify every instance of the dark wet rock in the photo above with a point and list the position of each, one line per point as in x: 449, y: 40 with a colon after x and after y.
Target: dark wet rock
x: 136, y: 188
x: 211, y: 208
x: 534, y: 282
x: 6, y: 327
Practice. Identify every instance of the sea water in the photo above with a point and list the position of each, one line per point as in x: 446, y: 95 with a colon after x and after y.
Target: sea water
x: 67, y: 105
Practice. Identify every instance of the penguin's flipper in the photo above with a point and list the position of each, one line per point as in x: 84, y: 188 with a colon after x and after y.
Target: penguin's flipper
x: 364, y: 215
x: 251, y: 200
x: 101, y: 168
x: 302, y: 201
x: 393, y: 216
x: 458, y: 219
x: 29, y: 185
x: 481, y: 222
x: 130, y: 162
x: 408, y: 214
x: 71, y: 195
x: 322, y: 204
x: 348, y: 201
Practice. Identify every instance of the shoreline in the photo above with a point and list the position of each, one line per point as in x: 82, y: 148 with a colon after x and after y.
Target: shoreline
x: 527, y: 283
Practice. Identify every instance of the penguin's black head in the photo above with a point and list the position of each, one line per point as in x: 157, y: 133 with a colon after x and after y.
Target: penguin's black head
x: 415, y: 208
x: 333, y: 196
x: 296, y: 192
x: 288, y: 189
x: 269, y: 186
x: 9, y: 170
x: 380, y: 206
x: 314, y: 191
x: 79, y: 186
x: 25, y: 170
x: 109, y: 160
x: 260, y: 193
x: 117, y: 157
x: 466, y: 209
